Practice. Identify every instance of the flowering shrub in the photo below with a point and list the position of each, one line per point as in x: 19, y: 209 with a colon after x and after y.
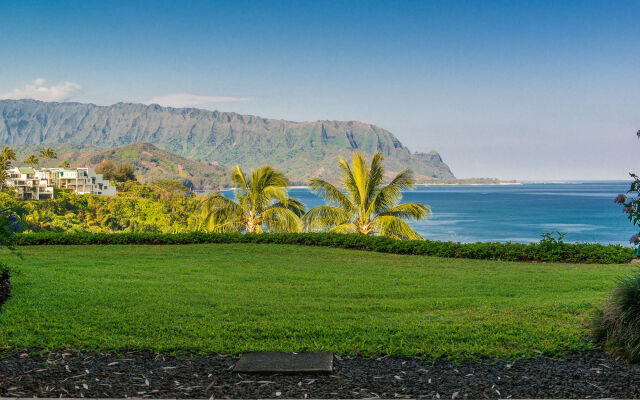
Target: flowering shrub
x: 631, y: 205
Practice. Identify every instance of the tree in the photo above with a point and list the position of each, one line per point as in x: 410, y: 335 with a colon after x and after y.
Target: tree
x: 260, y: 202
x: 123, y: 173
x: 48, y: 153
x: 107, y: 168
x: 117, y: 173
x: 65, y: 164
x: 32, y: 161
x: 365, y: 205
x: 7, y: 154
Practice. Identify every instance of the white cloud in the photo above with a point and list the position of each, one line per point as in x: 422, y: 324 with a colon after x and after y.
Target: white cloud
x: 37, y: 91
x: 192, y: 100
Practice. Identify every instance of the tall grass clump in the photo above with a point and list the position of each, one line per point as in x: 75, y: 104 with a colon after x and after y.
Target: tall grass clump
x: 617, y: 325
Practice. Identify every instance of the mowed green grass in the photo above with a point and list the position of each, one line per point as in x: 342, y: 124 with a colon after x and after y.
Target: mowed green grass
x: 231, y: 298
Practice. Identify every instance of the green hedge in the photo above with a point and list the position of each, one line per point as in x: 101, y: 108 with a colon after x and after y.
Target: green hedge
x: 556, y: 251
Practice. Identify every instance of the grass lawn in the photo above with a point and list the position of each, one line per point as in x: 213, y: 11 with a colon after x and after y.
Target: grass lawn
x: 230, y: 298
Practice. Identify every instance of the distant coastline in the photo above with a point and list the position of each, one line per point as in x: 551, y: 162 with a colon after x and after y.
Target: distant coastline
x: 461, y: 183
x: 507, y: 183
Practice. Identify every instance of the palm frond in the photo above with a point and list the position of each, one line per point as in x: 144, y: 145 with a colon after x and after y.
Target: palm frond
x: 344, y: 228
x: 267, y: 185
x: 295, y: 206
x: 219, y: 214
x: 414, y: 211
x: 389, y: 195
x: 375, y: 177
x: 323, y: 218
x: 269, y: 194
x: 242, y: 198
x: 394, y: 227
x: 238, y: 179
x: 331, y: 194
x: 279, y: 219
x: 349, y: 183
x: 359, y: 173
x: 7, y: 154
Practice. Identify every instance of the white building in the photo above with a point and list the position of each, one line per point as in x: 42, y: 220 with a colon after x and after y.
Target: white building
x: 28, y: 184
x: 39, y: 184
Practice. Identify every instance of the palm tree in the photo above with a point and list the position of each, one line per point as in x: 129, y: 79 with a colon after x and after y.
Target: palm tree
x: 32, y: 161
x: 7, y: 154
x: 365, y: 206
x: 65, y: 164
x: 260, y: 202
x: 48, y: 153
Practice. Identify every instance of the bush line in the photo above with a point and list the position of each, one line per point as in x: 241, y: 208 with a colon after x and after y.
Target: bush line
x: 556, y: 252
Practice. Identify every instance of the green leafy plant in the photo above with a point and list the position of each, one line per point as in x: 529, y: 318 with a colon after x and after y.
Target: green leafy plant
x: 552, y: 244
x: 617, y: 325
x: 365, y: 205
x: 261, y: 201
x: 572, y: 253
x: 631, y: 206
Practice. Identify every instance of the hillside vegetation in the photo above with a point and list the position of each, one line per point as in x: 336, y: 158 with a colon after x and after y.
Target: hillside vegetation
x: 302, y: 150
x: 150, y: 163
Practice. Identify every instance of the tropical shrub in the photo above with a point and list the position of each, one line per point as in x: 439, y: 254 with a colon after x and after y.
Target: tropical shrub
x: 617, y: 325
x: 631, y: 206
x: 572, y: 253
x: 365, y: 205
x: 139, y: 208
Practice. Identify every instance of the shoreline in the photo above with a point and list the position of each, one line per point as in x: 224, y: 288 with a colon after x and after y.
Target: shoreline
x: 417, y: 184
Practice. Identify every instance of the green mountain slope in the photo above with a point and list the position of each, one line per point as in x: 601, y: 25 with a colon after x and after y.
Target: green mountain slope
x: 301, y: 149
x: 152, y: 163
x: 149, y: 161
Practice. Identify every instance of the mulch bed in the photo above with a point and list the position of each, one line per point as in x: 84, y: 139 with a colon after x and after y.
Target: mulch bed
x: 146, y: 374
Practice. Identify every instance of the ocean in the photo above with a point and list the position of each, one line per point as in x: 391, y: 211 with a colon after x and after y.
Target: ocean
x: 585, y: 211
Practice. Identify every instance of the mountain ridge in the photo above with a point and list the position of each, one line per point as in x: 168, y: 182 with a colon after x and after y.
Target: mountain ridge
x: 301, y: 149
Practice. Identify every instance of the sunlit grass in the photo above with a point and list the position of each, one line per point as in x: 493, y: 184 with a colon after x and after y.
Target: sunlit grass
x: 230, y: 298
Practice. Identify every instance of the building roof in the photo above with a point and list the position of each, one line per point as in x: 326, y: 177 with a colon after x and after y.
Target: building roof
x: 26, y: 170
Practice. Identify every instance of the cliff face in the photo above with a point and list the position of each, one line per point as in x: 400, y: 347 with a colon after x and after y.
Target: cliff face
x: 301, y: 149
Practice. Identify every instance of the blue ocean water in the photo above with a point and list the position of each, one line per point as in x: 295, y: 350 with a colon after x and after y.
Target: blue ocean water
x: 585, y: 211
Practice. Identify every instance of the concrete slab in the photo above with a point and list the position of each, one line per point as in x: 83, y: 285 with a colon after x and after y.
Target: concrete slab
x: 286, y: 363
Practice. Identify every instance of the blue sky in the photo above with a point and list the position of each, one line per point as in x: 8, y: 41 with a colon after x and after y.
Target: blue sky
x: 516, y: 90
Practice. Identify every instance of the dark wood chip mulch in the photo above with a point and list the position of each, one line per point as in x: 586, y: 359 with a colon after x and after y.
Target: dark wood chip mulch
x: 145, y: 374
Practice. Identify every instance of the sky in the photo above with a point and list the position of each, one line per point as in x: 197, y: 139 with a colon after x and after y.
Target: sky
x: 527, y: 90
